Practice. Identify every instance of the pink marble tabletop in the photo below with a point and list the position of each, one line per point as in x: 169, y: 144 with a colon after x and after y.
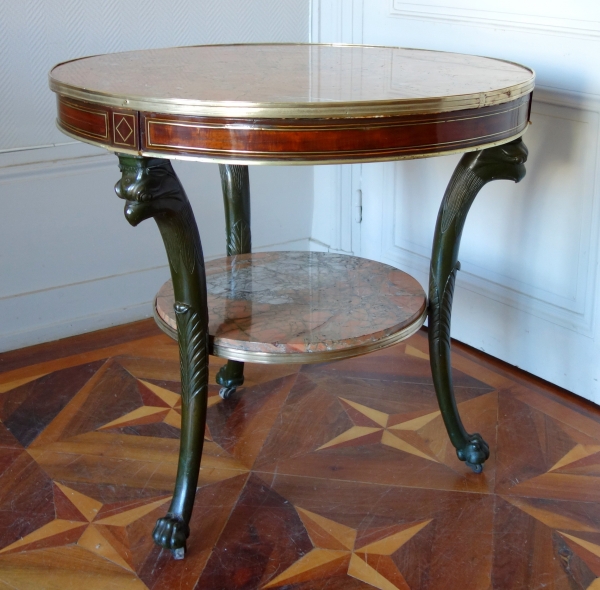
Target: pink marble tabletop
x: 282, y: 303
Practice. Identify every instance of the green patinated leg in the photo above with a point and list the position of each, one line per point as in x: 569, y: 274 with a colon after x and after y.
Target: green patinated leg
x: 474, y: 170
x: 236, y: 198
x: 151, y: 189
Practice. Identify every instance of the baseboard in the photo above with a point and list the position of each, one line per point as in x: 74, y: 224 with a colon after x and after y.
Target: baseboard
x: 293, y: 245
x: 42, y: 316
x: 73, y: 327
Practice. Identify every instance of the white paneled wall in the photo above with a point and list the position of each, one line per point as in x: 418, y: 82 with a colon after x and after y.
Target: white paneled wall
x: 529, y: 289
x: 69, y: 262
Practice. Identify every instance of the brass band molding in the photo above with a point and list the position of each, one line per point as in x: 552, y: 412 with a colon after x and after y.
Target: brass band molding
x: 240, y: 109
x: 318, y: 356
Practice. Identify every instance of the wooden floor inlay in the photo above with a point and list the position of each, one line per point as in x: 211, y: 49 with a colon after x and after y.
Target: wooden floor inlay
x: 332, y: 476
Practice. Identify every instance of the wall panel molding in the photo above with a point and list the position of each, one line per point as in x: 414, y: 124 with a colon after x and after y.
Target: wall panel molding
x: 56, y: 168
x: 529, y: 290
x: 64, y: 310
x: 335, y: 187
x: 557, y: 18
x: 576, y: 313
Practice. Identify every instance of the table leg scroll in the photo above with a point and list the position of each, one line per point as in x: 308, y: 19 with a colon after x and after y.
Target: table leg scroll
x: 152, y: 189
x: 474, y: 170
x: 235, y: 181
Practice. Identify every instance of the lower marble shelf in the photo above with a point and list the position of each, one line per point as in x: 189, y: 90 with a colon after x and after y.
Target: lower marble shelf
x: 302, y: 307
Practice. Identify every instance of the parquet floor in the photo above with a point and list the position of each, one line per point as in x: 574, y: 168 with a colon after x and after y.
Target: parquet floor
x: 334, y: 476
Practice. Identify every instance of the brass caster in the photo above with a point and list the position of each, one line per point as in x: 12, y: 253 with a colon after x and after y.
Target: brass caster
x: 476, y: 467
x: 226, y: 392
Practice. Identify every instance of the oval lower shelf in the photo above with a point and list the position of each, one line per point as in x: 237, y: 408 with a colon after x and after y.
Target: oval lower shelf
x: 302, y: 307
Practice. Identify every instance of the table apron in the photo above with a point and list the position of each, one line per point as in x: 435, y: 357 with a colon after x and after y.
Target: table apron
x: 293, y: 141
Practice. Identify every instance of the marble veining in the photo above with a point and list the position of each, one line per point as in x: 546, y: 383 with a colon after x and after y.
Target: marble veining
x: 291, y: 75
x: 298, y: 302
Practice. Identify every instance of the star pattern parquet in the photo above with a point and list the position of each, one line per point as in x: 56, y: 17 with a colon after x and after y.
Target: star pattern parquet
x: 333, y: 476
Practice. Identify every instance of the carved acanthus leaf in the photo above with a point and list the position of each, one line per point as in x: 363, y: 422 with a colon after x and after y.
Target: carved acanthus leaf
x: 181, y: 238
x: 233, y: 178
x: 239, y: 238
x: 462, y: 189
x: 236, y: 196
x: 193, y: 352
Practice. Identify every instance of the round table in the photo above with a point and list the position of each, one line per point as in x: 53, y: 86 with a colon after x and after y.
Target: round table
x: 292, y: 104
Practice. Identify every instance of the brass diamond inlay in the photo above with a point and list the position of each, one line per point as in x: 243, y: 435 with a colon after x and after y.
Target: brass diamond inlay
x: 124, y: 129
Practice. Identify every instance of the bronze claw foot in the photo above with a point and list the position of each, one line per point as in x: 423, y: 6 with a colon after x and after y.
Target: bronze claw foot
x: 171, y: 533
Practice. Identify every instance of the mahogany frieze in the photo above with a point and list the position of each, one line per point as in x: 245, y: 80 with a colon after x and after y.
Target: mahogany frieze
x: 111, y: 128
x: 292, y: 140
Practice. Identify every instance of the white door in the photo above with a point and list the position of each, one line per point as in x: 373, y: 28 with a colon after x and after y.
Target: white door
x: 528, y: 290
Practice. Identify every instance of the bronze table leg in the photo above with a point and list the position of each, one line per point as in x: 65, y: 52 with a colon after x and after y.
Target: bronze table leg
x: 474, y: 170
x: 152, y: 189
x: 236, y: 198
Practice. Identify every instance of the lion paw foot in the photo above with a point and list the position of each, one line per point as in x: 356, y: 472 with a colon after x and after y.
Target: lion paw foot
x: 474, y: 453
x: 171, y: 532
